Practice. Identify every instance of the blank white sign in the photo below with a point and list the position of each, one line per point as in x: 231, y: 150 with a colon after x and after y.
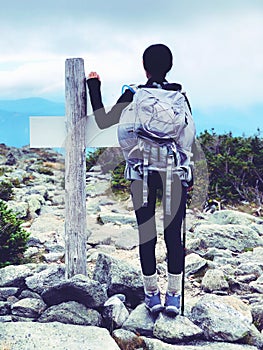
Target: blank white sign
x: 50, y: 132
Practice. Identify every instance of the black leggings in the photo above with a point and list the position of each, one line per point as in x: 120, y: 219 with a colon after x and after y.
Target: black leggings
x: 147, y: 225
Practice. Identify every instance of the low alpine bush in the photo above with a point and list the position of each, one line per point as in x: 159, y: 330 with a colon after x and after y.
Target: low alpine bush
x: 13, y: 238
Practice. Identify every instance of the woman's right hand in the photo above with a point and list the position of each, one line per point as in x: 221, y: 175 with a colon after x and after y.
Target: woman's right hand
x: 93, y: 75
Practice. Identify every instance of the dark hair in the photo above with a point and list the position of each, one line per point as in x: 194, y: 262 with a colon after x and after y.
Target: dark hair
x: 157, y: 60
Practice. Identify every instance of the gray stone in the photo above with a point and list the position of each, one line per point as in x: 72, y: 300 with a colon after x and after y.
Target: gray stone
x: 257, y: 313
x: 213, y: 253
x: 174, y: 330
x: 249, y: 268
x: 6, y: 292
x: 120, y: 277
x: 5, y: 308
x: 128, y: 340
x: 48, y: 228
x: 222, y: 318
x: 79, y: 288
x: 225, y: 217
x: 194, y: 263
x: 114, y: 313
x: 258, y: 284
x: 156, y: 344
x: 57, y: 336
x: 47, y: 278
x: 26, y: 293
x: 34, y: 202
x: 31, y: 251
x: 236, y: 238
x: 19, y: 208
x: 28, y: 307
x: 14, y: 276
x: 7, y: 318
x: 254, y: 337
x: 128, y: 239
x: 140, y: 321
x: 122, y: 219
x: 214, y: 280
x: 103, y: 235
x: 72, y: 313
x: 53, y: 257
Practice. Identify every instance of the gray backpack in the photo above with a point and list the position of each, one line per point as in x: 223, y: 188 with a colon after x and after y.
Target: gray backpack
x: 156, y: 131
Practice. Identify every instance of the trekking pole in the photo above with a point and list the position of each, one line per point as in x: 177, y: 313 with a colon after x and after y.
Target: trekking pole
x: 183, y: 274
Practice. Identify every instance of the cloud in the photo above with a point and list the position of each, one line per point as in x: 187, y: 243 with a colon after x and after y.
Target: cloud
x: 216, y: 46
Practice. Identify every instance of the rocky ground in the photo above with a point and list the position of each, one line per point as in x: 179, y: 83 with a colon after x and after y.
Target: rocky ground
x: 40, y: 309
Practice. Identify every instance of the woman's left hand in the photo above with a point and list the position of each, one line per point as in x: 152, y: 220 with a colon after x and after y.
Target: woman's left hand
x: 93, y: 75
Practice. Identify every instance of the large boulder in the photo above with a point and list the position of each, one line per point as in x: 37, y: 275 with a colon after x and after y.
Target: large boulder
x: 54, y: 335
x: 119, y: 277
x: 79, y: 288
x: 223, y: 318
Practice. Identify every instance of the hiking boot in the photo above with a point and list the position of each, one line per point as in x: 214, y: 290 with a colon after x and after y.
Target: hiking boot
x: 153, y: 302
x: 172, y: 304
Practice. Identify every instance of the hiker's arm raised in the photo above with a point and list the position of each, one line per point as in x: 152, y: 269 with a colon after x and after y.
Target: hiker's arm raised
x: 105, y: 119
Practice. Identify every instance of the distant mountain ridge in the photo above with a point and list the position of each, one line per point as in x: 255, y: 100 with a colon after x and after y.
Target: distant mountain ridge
x: 14, y: 118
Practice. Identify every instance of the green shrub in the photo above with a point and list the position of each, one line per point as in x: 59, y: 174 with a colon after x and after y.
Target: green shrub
x: 92, y: 157
x: 45, y: 171
x: 13, y: 237
x: 6, y: 191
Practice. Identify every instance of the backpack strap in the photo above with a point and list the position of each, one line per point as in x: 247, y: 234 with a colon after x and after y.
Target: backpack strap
x: 146, y: 152
x: 169, y: 179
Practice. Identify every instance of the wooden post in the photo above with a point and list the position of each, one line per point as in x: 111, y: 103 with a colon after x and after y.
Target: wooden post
x: 75, y: 168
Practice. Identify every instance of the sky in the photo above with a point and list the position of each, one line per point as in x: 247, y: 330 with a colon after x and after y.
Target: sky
x: 217, y: 47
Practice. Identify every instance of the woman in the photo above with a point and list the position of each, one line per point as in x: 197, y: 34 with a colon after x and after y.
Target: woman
x: 157, y: 62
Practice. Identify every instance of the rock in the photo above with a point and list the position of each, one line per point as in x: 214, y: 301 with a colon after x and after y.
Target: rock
x: 73, y: 313
x: 43, y: 280
x: 34, y: 203
x: 7, y: 318
x: 6, y: 292
x: 257, y: 313
x: 30, y: 252
x: 120, y: 277
x: 54, y: 335
x: 48, y: 228
x: 114, y: 313
x: 102, y: 235
x: 258, y: 284
x: 194, y: 263
x: 128, y: 239
x: 175, y: 330
x: 249, y: 268
x: 79, y: 288
x: 53, y: 257
x: 214, y: 280
x: 26, y: 293
x: 236, y: 238
x: 5, y: 308
x: 14, y: 276
x: 19, y: 208
x: 28, y: 307
x: 10, y: 159
x: 222, y: 318
x: 128, y: 340
x: 225, y: 217
x: 213, y: 253
x: 122, y: 219
x: 254, y: 337
x: 140, y: 321
x: 155, y: 344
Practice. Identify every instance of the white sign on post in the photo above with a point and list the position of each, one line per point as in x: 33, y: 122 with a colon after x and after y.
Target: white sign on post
x: 50, y: 132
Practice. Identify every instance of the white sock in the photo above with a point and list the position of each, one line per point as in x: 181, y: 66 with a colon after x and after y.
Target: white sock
x: 174, y: 283
x: 150, y: 284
